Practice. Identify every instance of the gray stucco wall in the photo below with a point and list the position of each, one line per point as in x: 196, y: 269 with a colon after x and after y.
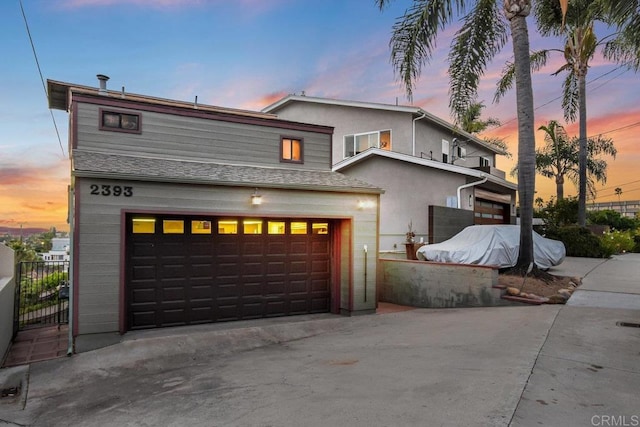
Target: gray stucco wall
x: 352, y: 120
x: 99, y: 245
x: 348, y: 120
x: 7, y: 298
x: 409, y: 191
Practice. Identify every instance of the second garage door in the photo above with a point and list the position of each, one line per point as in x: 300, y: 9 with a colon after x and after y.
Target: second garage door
x: 190, y: 270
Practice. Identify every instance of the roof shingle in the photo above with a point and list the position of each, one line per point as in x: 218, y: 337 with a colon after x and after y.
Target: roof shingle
x: 104, y: 165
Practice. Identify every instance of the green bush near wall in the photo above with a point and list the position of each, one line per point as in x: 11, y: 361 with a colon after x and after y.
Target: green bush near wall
x: 579, y: 242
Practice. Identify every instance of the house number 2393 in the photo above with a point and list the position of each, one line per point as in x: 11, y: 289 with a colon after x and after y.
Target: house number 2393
x: 111, y: 190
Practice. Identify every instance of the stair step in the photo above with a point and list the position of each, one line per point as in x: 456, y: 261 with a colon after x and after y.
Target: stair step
x: 523, y: 300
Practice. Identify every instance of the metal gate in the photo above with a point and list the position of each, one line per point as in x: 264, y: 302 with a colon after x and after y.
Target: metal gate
x: 42, y: 294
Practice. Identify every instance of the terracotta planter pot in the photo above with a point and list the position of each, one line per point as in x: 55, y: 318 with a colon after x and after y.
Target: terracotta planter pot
x: 411, y: 249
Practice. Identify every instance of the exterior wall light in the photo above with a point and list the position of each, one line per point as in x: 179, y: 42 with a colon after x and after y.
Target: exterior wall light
x: 470, y: 200
x: 256, y: 199
x: 366, y: 204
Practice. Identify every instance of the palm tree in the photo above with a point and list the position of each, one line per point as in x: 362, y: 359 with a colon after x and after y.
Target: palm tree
x: 575, y: 22
x: 483, y: 33
x: 471, y: 122
x: 559, y: 158
x: 618, y: 191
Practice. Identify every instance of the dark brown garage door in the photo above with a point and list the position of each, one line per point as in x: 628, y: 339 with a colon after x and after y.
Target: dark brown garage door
x: 190, y: 270
x: 488, y: 212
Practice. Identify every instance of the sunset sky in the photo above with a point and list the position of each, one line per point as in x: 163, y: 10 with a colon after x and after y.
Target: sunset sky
x: 247, y: 54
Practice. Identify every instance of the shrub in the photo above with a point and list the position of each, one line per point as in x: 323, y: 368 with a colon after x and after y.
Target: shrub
x: 560, y: 213
x: 613, y: 219
x: 617, y: 242
x: 636, y: 240
x: 579, y: 242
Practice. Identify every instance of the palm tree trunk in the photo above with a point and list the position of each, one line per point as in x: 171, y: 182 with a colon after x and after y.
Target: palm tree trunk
x: 559, y: 187
x: 526, y: 138
x: 582, y: 151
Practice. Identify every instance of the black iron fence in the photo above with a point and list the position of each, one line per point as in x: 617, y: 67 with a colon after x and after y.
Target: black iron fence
x: 42, y: 294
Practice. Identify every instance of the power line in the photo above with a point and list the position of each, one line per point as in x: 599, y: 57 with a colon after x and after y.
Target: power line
x: 620, y: 185
x: 559, y: 97
x: 35, y: 55
x: 632, y: 125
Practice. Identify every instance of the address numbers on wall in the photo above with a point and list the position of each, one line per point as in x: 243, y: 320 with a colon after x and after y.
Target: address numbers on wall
x: 111, y: 190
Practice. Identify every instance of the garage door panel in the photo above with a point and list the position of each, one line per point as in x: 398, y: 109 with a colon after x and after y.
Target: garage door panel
x: 298, y: 248
x: 141, y: 296
x: 144, y: 248
x: 200, y: 314
x: 299, y: 306
x: 252, y: 248
x: 144, y: 272
x: 144, y: 319
x: 173, y: 317
x: 319, y: 305
x: 276, y: 248
x: 298, y: 266
x: 252, y: 310
x: 320, y: 266
x: 320, y: 248
x: 208, y: 277
x: 275, y: 287
x: 227, y: 290
x: 298, y: 287
x: 199, y: 292
x: 319, y: 285
x: 227, y: 247
x: 275, y: 308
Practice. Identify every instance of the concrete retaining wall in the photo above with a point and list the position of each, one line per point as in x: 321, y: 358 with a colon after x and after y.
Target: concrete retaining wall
x: 436, y: 285
x: 7, y: 296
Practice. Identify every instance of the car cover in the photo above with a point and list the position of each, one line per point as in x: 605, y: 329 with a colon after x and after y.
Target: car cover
x: 496, y: 245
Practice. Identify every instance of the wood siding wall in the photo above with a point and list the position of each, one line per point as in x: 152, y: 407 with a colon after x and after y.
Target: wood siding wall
x: 172, y: 136
x: 100, y: 248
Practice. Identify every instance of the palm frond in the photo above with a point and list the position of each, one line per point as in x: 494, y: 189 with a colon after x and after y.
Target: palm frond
x: 570, y: 97
x: 482, y: 35
x: 538, y: 59
x: 413, y: 38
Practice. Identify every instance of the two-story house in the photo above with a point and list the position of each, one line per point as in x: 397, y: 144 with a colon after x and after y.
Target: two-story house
x: 184, y: 213
x: 435, y: 176
x: 59, y: 251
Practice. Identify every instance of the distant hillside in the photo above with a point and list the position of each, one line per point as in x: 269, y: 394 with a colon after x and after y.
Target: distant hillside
x: 26, y: 232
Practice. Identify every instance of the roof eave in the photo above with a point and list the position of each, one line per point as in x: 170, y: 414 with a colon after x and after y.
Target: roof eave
x: 257, y: 184
x: 371, y: 152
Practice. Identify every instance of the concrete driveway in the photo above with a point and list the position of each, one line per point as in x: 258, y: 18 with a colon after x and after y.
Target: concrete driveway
x: 548, y: 365
x: 420, y: 367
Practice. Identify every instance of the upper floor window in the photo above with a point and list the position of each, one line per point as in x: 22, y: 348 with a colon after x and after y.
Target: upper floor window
x: 291, y: 150
x: 357, y: 143
x: 119, y: 122
x: 485, y: 161
x: 445, y: 151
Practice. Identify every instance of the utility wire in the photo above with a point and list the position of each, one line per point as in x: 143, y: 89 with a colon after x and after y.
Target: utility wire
x: 559, y: 97
x: 35, y: 55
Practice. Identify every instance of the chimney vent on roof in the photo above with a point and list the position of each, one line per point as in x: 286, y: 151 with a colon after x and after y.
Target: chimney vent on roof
x: 103, y: 84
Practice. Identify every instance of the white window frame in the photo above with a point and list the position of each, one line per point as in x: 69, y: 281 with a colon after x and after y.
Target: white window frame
x: 446, y: 151
x: 355, y: 149
x: 485, y: 161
